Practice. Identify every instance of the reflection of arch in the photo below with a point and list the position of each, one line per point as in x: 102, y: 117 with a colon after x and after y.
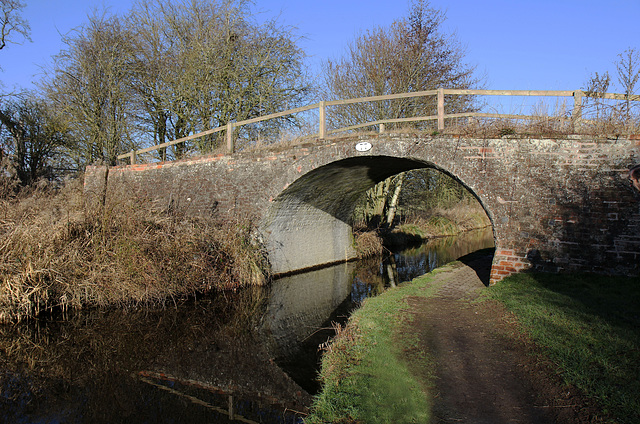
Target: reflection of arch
x: 309, y: 222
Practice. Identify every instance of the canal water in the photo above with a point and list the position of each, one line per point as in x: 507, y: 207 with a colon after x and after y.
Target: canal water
x: 247, y: 356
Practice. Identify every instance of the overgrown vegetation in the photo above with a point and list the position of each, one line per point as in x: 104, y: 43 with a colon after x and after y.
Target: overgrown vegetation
x: 365, y: 373
x: 588, y: 325
x: 59, y: 252
x: 367, y: 243
x: 463, y: 216
x: 411, y: 196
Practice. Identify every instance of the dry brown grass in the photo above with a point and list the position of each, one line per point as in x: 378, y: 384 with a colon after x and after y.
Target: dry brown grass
x: 58, y: 252
x: 367, y: 243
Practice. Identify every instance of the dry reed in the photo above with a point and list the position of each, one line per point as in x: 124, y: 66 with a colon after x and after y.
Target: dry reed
x: 56, y: 251
x: 463, y: 216
x: 367, y: 243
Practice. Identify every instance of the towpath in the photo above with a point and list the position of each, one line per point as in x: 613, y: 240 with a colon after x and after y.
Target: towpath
x: 486, y: 370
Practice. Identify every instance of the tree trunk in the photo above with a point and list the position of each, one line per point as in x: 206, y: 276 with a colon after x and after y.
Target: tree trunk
x: 393, y: 204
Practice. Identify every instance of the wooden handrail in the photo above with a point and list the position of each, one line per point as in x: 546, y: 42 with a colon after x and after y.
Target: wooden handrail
x: 382, y: 98
x: 440, y: 94
x: 540, y: 93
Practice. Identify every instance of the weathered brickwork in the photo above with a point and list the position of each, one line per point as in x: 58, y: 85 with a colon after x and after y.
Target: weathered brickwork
x: 555, y: 204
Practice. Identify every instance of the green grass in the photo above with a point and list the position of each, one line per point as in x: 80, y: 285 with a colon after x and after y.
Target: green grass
x: 589, y: 326
x: 413, y: 229
x: 366, y: 373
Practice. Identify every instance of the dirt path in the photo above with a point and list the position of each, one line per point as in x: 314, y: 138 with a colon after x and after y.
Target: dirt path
x: 485, y: 371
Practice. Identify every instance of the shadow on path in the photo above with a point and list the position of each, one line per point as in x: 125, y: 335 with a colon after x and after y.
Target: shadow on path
x: 480, y: 262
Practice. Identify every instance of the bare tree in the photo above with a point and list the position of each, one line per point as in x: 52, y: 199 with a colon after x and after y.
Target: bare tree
x: 628, y: 75
x: 91, y: 85
x: 413, y: 54
x: 596, y: 87
x: 169, y: 69
x: 11, y: 23
x: 31, y: 137
x: 153, y: 59
x: 628, y: 68
x: 420, y: 190
x: 203, y: 64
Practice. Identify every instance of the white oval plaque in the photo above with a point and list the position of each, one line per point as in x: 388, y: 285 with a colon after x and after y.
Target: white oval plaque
x: 363, y: 146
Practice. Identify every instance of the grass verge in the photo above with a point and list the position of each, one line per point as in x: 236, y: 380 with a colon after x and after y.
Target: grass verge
x: 589, y: 326
x: 366, y: 371
x: 439, y: 222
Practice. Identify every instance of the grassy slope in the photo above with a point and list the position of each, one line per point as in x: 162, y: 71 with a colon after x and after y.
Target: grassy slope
x: 589, y: 326
x: 464, y: 216
x: 366, y: 375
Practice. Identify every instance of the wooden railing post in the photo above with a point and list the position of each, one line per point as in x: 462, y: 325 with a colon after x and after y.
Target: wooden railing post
x: 133, y: 157
x: 381, y: 129
x: 576, y: 116
x: 322, y: 131
x: 230, y: 146
x: 440, y: 109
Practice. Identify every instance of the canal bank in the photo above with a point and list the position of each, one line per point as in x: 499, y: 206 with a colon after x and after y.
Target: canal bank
x: 251, y: 352
x: 431, y: 351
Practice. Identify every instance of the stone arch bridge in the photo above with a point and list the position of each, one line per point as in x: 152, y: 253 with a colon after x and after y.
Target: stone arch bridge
x: 555, y: 204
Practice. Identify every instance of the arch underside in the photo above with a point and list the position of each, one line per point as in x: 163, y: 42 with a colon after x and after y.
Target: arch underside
x: 309, y: 223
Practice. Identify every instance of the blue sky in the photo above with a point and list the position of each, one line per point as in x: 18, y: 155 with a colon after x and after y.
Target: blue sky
x: 515, y: 44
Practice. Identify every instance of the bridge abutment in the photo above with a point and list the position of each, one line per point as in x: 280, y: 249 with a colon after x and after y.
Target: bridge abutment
x: 299, y: 237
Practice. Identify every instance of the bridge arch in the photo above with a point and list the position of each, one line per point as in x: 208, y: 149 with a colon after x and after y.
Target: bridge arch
x: 310, y: 222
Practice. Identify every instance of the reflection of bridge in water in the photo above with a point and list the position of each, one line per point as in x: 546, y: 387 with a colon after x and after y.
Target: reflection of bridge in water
x: 560, y: 203
x: 302, y: 308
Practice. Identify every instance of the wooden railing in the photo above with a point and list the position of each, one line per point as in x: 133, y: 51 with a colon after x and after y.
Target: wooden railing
x: 440, y: 117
